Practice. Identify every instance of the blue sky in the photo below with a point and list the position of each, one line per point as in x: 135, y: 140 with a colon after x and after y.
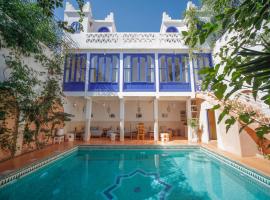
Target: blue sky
x: 136, y: 15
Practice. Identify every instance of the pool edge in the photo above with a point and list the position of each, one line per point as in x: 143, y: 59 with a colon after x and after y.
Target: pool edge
x: 30, y: 168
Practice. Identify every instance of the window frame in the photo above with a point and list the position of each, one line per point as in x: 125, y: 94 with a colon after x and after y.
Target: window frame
x: 104, y: 66
x: 165, y: 68
x: 72, y: 78
x: 148, y: 67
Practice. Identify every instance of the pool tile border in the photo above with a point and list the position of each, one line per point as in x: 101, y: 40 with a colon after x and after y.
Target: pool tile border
x: 17, y: 174
x: 252, y: 173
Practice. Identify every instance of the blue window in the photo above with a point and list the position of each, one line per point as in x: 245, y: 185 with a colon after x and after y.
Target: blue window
x: 174, y: 68
x: 139, y: 68
x: 76, y: 27
x: 200, y: 61
x: 174, y: 72
x: 74, y: 72
x: 104, y: 68
x: 75, y: 65
x: 103, y: 29
x: 172, y: 29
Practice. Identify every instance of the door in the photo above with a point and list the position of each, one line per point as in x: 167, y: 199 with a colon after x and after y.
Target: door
x: 212, y: 125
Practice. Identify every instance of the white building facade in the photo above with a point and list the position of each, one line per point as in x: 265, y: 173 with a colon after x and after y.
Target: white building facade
x: 115, y: 80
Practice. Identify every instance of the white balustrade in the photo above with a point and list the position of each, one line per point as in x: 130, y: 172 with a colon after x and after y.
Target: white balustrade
x: 130, y: 41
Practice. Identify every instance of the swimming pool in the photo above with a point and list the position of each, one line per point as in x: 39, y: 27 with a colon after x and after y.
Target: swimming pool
x: 102, y: 172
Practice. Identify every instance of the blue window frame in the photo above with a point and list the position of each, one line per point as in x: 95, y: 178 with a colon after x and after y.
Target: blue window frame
x: 200, y: 61
x: 174, y: 74
x: 74, y: 72
x: 139, y: 72
x: 104, y: 72
x: 172, y: 29
x: 103, y: 29
x: 76, y: 27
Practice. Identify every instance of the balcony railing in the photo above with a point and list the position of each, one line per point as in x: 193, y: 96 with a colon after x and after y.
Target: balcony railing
x: 130, y: 41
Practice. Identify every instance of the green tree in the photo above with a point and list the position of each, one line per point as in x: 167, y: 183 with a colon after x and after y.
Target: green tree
x: 245, y: 56
x: 28, y: 29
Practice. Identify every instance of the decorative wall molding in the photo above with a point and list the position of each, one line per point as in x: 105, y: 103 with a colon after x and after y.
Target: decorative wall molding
x: 131, y: 40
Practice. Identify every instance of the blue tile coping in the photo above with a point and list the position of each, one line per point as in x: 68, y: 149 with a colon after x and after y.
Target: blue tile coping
x: 17, y: 174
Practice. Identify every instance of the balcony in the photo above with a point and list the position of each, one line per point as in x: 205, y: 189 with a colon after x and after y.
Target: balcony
x: 129, y: 41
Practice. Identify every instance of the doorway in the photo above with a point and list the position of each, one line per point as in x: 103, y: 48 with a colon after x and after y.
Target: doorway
x: 212, y: 125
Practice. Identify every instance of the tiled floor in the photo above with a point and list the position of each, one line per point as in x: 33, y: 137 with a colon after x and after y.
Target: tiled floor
x: 20, y: 161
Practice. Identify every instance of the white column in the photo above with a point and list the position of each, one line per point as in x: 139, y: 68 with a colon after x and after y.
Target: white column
x: 86, y: 83
x: 157, y: 73
x: 121, y: 76
x: 155, y: 119
x: 189, y: 116
x: 88, y: 111
x: 122, y: 119
x: 191, y: 71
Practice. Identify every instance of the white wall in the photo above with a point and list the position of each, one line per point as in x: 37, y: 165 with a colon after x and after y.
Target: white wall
x: 228, y: 141
x: 203, y: 121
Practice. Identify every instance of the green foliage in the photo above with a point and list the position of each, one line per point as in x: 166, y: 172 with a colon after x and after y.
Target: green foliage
x: 28, y: 29
x: 245, y: 24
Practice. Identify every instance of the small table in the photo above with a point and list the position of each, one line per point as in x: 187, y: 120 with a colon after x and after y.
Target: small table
x: 58, y: 139
x: 113, y: 136
x: 165, y: 137
x: 70, y: 137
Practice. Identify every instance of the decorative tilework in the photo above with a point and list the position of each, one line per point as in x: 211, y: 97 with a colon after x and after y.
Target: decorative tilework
x: 239, y: 167
x: 255, y: 175
x: 33, y: 167
x: 166, y: 187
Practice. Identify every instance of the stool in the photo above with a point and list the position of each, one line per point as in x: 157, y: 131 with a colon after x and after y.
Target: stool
x: 58, y: 139
x: 70, y: 137
x: 113, y: 136
x: 165, y: 137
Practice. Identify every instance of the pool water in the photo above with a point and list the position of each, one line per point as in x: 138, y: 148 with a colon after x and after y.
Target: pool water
x: 187, y: 174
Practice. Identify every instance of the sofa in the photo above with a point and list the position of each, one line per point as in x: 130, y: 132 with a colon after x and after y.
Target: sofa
x: 95, y: 132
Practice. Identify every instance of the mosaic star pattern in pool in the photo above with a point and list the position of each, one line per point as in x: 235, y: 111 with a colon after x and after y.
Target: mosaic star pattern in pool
x: 140, y: 188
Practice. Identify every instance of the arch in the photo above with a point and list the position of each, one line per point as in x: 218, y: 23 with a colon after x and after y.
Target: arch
x: 172, y: 29
x: 76, y: 27
x: 103, y: 29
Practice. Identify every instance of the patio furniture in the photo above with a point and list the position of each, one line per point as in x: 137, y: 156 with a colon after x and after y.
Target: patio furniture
x: 113, y: 136
x: 95, y: 132
x: 58, y: 139
x: 78, y: 135
x: 140, y: 131
x: 70, y: 137
x: 151, y: 134
x: 165, y: 137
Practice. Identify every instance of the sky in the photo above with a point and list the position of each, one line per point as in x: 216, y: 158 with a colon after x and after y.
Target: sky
x: 135, y: 15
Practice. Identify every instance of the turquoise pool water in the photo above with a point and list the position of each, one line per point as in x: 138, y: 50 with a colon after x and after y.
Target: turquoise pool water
x: 187, y: 174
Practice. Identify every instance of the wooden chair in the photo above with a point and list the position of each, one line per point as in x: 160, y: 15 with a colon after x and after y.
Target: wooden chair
x: 140, y: 131
x: 78, y: 134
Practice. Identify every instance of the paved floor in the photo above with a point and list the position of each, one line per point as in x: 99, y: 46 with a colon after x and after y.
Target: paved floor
x: 8, y: 166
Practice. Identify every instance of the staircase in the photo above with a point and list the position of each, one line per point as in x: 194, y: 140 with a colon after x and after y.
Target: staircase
x: 243, y: 102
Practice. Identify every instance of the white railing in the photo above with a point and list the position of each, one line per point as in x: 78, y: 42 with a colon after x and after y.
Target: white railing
x: 130, y: 41
x: 241, y: 103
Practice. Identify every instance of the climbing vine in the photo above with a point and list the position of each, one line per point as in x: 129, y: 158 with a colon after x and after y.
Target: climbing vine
x: 30, y: 96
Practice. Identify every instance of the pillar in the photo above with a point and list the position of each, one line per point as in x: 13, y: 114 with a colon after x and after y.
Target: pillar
x: 157, y: 73
x: 189, y: 117
x: 86, y: 83
x: 155, y: 120
x: 121, y: 73
x: 191, y: 75
x: 122, y: 119
x: 88, y: 111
